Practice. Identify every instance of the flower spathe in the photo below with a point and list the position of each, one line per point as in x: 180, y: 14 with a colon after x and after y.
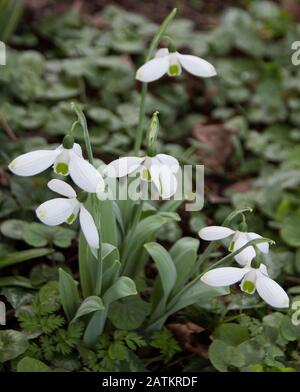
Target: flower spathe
x: 239, y: 239
x: 65, y: 162
x: 65, y: 210
x: 160, y: 169
x: 172, y: 64
x: 252, y: 279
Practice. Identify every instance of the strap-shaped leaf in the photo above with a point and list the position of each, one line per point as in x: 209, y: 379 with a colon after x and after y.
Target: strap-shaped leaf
x: 165, y: 266
x: 89, y: 305
x: 145, y: 231
x: 109, y: 231
x: 87, y: 270
x: 68, y: 294
x: 197, y: 292
x: 24, y: 255
x: 123, y: 287
x: 111, y: 274
x: 184, y: 255
x: 106, y: 251
x: 95, y: 328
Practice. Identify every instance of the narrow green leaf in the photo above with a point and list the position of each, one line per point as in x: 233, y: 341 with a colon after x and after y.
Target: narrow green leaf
x: 165, y: 266
x: 95, y: 328
x: 68, y: 293
x: 184, y: 255
x: 123, y: 287
x: 24, y: 255
x: 109, y: 229
x: 89, y: 305
x: 111, y: 274
x: 19, y: 281
x: 85, y: 267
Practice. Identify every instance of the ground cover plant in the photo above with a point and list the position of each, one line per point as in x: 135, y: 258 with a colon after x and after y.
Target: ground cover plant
x: 90, y: 104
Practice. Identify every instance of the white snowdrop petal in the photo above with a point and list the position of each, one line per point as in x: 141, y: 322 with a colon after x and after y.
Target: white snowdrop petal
x: 168, y: 182
x: 169, y: 161
x: 56, y: 211
x: 162, y: 52
x: 213, y: 233
x: 88, y: 228
x: 77, y: 149
x: 123, y: 166
x: 224, y: 276
x: 196, y: 65
x: 153, y: 69
x: 62, y: 188
x: 263, y: 270
x: 34, y: 162
x: 271, y: 292
x: 263, y: 246
x: 85, y: 175
x: 246, y: 255
x: 154, y: 169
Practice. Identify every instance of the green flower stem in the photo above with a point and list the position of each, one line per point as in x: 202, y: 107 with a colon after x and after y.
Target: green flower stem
x: 82, y: 122
x: 71, y: 130
x: 154, y: 43
x: 140, y: 128
x: 213, y: 245
x: 231, y: 255
x: 95, y: 201
x: 223, y: 260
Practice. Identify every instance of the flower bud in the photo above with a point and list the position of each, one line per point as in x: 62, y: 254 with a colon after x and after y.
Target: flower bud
x: 152, y: 134
x: 82, y: 196
x: 68, y: 142
x: 256, y: 262
x: 171, y: 46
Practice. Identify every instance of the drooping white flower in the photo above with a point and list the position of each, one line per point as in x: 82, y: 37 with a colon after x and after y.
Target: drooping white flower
x: 65, y: 210
x: 65, y: 161
x: 172, y: 64
x: 252, y: 279
x: 160, y: 169
x: 213, y: 233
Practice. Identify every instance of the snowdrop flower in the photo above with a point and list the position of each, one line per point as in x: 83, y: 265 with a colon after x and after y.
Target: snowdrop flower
x: 213, y: 233
x: 65, y: 210
x: 66, y: 159
x: 160, y: 169
x: 252, y: 279
x: 171, y: 63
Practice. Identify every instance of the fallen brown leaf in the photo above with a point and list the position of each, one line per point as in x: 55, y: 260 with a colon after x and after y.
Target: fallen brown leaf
x: 189, y: 335
x: 217, y: 145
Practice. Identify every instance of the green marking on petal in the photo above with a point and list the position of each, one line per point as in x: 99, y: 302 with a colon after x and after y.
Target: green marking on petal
x: 231, y: 246
x: 61, y: 168
x: 13, y: 164
x: 174, y: 70
x: 71, y: 219
x: 248, y: 286
x: 42, y: 213
x: 145, y: 175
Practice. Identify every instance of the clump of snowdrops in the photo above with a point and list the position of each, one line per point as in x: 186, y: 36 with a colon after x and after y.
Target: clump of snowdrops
x: 118, y: 236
